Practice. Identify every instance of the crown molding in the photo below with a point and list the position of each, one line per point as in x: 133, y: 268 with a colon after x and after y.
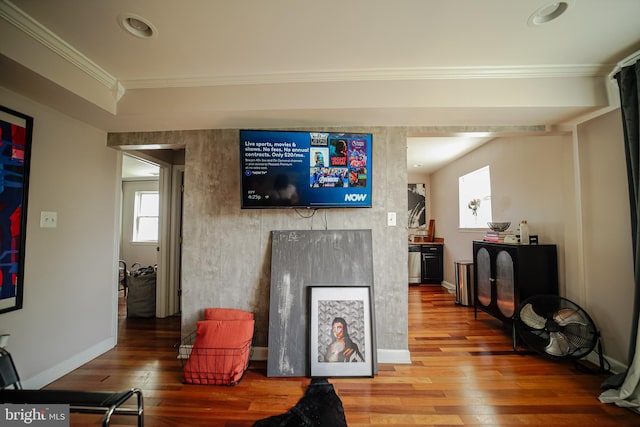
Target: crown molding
x: 37, y: 31
x: 400, y: 74
x: 25, y: 23
x: 629, y: 60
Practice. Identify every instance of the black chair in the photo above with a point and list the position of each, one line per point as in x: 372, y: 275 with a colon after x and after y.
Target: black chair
x: 91, y: 402
x: 8, y: 372
x: 123, y: 274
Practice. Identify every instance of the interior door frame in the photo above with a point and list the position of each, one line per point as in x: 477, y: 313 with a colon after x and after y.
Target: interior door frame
x: 164, y: 238
x: 174, y: 302
x: 166, y: 287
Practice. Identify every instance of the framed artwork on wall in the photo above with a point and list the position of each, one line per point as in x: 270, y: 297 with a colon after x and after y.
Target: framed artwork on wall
x: 341, y: 331
x: 417, y: 205
x: 15, y: 153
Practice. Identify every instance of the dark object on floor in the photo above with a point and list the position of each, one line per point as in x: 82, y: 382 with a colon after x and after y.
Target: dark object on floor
x: 141, y: 297
x: 319, y: 407
x: 558, y: 329
x: 614, y: 381
x: 91, y: 402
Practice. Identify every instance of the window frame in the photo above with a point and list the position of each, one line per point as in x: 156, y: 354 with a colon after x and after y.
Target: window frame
x: 468, y: 191
x: 138, y: 215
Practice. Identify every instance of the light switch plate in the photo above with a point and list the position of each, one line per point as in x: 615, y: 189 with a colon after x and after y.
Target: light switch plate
x: 391, y: 219
x: 48, y: 219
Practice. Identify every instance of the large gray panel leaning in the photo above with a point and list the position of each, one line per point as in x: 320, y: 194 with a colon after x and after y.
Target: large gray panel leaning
x: 303, y: 258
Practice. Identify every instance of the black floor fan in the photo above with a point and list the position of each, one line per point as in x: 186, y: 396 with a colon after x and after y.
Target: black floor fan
x: 557, y: 328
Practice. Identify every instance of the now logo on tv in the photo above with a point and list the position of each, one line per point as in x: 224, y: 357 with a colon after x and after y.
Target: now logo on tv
x: 354, y: 197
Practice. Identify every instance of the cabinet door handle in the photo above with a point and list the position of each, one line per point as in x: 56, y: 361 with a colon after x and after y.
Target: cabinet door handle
x: 491, y: 279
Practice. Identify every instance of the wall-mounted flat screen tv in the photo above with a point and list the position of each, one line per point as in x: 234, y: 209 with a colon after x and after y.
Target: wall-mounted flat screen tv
x: 295, y: 169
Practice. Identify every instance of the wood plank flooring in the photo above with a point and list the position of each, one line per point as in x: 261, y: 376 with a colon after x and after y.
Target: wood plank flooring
x: 463, y: 373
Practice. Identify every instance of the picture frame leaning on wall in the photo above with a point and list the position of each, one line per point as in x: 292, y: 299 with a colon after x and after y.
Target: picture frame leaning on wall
x: 340, y: 337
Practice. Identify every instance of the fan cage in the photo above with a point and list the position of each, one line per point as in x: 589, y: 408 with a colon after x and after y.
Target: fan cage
x: 579, y: 334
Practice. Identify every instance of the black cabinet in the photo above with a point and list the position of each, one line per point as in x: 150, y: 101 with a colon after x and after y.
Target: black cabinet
x: 432, y: 264
x: 507, y: 274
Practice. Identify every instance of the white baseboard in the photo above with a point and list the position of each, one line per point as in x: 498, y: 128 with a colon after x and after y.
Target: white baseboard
x: 615, y: 366
x: 399, y: 357
x: 449, y: 287
x: 259, y: 353
x: 53, y: 373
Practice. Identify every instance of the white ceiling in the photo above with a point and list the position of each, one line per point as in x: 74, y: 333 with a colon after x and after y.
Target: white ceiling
x: 439, y: 65
x: 136, y: 169
x: 428, y: 154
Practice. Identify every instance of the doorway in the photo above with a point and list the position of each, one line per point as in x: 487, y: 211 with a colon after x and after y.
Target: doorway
x: 146, y: 175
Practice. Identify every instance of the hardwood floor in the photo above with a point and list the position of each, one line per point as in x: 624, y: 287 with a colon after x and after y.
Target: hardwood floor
x: 463, y: 373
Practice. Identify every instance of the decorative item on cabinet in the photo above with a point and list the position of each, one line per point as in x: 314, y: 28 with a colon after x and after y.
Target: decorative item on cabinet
x: 431, y: 234
x: 499, y: 225
x: 524, y: 232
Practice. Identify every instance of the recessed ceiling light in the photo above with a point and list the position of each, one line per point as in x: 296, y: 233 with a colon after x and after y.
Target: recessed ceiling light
x: 549, y: 12
x: 137, y: 26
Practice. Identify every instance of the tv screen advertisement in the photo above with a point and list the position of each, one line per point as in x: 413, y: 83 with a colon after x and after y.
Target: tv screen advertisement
x: 296, y: 169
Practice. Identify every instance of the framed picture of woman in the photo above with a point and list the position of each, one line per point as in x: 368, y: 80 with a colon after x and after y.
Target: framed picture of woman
x: 340, y: 331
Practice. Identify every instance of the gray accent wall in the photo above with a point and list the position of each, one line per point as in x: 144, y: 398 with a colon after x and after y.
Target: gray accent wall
x: 227, y: 250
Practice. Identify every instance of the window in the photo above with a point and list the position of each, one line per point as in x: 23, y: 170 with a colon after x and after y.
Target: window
x: 474, y: 192
x: 145, y: 216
